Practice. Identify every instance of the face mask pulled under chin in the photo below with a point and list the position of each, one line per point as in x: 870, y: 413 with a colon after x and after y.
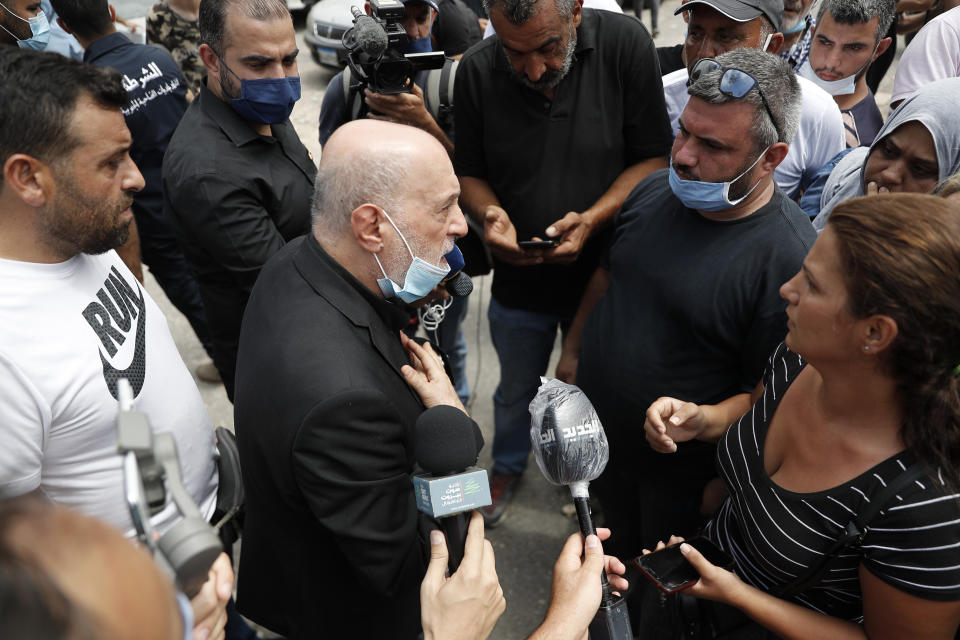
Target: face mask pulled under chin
x: 39, y: 31
x: 841, y: 87
x: 420, y: 279
x: 709, y: 196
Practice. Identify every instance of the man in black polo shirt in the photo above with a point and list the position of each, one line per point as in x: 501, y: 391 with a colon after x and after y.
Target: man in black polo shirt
x: 237, y: 180
x: 555, y: 125
x: 157, y: 96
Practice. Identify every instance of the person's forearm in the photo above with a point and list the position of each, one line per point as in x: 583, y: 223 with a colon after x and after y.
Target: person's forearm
x: 910, y: 23
x: 788, y: 620
x: 602, y: 211
x: 555, y: 627
x: 914, y: 5
x: 476, y: 195
x: 595, y: 290
x: 718, y: 417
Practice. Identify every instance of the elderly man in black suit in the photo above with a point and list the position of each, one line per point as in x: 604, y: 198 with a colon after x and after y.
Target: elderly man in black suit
x: 326, y: 398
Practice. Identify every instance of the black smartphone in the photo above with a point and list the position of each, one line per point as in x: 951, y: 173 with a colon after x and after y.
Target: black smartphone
x: 671, y: 572
x: 537, y: 244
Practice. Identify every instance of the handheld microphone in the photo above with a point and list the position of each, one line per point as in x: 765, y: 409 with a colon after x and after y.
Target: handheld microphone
x: 571, y: 449
x: 447, y: 443
x: 368, y: 35
x: 457, y: 283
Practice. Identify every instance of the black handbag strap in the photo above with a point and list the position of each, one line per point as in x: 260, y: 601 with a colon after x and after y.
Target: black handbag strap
x: 851, y: 535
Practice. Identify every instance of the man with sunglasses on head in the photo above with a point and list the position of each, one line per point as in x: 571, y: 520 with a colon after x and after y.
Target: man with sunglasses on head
x: 718, y: 26
x: 686, y: 298
x: 237, y: 181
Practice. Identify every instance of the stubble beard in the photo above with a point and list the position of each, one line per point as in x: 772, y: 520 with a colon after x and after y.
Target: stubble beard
x: 550, y: 78
x: 86, y: 224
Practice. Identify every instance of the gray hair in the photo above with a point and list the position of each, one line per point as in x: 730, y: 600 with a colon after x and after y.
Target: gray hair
x: 520, y: 11
x: 767, y: 28
x: 350, y: 180
x: 854, y: 12
x: 212, y: 20
x: 774, y: 78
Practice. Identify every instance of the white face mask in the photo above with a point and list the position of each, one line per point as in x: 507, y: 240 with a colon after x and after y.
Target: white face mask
x: 841, y: 87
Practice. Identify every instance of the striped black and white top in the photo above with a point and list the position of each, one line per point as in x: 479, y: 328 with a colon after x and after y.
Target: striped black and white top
x: 774, y: 534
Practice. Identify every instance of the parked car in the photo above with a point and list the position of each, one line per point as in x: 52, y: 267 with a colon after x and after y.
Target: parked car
x: 327, y: 21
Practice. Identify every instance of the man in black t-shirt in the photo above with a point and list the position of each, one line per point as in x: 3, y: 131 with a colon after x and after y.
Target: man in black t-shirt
x: 456, y: 28
x: 686, y: 301
x: 557, y: 119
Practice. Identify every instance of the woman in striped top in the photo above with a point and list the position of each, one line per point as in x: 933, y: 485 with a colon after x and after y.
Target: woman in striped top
x: 865, y: 385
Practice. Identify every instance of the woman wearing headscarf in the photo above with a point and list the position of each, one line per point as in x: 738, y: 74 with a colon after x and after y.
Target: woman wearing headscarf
x: 918, y: 147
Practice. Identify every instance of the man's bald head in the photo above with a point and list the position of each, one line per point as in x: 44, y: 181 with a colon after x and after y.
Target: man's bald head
x: 86, y: 574
x: 369, y: 161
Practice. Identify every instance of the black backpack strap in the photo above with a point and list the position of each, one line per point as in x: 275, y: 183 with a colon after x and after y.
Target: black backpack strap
x: 852, y: 534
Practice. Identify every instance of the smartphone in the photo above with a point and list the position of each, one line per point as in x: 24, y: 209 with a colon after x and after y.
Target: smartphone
x: 671, y: 572
x: 537, y: 244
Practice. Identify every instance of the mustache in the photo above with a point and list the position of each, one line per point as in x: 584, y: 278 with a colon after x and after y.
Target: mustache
x: 685, y: 172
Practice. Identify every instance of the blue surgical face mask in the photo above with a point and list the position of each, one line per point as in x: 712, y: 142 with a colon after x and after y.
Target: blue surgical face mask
x: 420, y: 45
x: 265, y: 100
x: 709, y: 196
x: 420, y: 279
x: 841, y: 87
x: 39, y: 29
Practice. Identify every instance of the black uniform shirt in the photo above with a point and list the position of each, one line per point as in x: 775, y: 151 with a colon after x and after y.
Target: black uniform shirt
x: 236, y: 197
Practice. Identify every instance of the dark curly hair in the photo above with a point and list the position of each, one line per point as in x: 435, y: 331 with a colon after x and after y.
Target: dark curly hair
x: 901, y: 258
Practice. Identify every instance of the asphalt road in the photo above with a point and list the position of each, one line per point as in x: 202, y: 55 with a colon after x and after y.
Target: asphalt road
x: 534, y: 529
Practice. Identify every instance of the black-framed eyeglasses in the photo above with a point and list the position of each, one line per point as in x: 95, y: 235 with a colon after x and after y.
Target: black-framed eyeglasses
x: 734, y: 83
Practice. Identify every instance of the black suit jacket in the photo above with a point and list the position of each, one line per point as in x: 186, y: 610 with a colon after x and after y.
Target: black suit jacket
x: 334, y: 546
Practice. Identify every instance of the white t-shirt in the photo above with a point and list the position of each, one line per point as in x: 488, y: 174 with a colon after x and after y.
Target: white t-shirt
x: 64, y: 330
x: 606, y: 5
x: 819, y: 138
x: 934, y: 54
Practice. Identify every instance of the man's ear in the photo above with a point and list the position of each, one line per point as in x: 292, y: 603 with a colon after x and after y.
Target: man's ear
x: 365, y: 222
x: 210, y: 60
x: 776, y: 43
x: 774, y: 156
x: 29, y: 178
x: 577, y: 14
x: 882, y: 46
x: 113, y: 13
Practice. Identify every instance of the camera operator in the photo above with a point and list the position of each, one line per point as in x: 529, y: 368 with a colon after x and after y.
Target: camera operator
x: 404, y: 108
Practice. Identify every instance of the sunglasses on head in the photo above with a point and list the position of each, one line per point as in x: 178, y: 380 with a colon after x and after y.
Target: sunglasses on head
x: 734, y: 83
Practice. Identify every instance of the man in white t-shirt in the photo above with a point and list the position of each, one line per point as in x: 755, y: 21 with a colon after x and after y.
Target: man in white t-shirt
x: 73, y: 319
x: 718, y: 26
x: 934, y: 54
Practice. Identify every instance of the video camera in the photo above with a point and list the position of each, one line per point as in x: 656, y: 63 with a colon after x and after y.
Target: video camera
x: 371, y: 50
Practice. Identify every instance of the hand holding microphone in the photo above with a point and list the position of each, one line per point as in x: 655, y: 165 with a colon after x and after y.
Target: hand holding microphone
x: 467, y: 604
x: 447, y: 443
x: 571, y: 449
